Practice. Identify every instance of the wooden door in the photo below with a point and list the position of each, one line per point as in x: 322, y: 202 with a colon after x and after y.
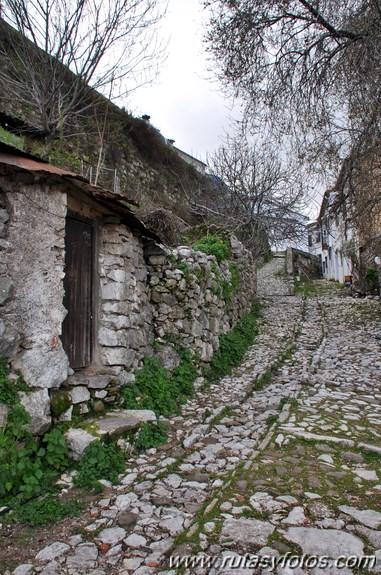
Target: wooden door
x: 77, y: 326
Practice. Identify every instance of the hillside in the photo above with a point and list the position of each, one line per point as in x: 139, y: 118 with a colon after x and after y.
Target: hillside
x: 110, y: 147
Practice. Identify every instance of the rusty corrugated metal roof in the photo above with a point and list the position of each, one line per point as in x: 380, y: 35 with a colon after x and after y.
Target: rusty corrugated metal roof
x: 34, y: 165
x: 115, y: 202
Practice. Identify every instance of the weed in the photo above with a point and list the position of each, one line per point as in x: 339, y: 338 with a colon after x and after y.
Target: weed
x: 183, y: 267
x: 56, y: 451
x: 48, y: 509
x: 99, y: 461
x: 150, y: 435
x: 8, y: 388
x: 213, y: 246
x: 224, y: 413
x: 156, y: 389
x: 233, y: 345
x: 271, y: 420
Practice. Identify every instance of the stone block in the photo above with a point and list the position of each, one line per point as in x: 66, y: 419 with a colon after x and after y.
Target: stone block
x: 6, y: 289
x: 79, y: 395
x: 114, y: 291
x: 77, y: 441
x: 42, y: 368
x: 109, y: 337
x: 118, y: 356
x: 98, y: 381
x: 37, y: 404
x: 9, y: 340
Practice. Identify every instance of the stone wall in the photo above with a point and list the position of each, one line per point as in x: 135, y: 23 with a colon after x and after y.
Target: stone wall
x: 31, y: 309
x: 125, y: 327
x: 195, y: 299
x: 150, y: 300
x: 303, y: 264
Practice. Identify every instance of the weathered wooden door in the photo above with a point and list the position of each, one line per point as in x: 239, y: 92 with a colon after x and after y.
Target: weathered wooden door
x: 77, y: 326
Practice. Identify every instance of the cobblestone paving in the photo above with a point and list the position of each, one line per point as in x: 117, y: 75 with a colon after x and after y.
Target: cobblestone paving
x: 281, y: 459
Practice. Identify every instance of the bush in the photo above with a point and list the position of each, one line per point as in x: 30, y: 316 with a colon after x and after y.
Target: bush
x: 156, y: 389
x: 213, y: 246
x: 233, y: 345
x: 151, y: 435
x: 99, y: 461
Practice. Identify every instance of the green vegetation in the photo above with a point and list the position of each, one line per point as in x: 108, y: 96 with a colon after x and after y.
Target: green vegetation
x: 213, y: 246
x: 48, y: 509
x: 233, y: 345
x: 156, y: 389
x: 8, y: 388
x: 151, y: 434
x: 11, y: 139
x: 26, y: 465
x: 99, y: 461
x: 371, y: 278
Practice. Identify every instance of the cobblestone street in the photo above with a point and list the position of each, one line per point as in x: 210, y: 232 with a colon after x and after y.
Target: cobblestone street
x: 280, y: 459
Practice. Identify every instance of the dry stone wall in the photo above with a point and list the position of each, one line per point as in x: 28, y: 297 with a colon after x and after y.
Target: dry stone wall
x: 150, y: 300
x: 125, y: 330
x: 195, y: 299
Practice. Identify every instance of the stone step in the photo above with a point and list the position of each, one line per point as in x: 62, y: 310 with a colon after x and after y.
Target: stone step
x: 113, y: 425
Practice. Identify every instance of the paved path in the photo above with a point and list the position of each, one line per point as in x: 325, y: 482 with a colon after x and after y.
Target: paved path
x: 281, y: 459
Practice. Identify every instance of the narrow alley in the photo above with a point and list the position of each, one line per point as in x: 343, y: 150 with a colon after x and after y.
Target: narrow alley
x: 275, y: 469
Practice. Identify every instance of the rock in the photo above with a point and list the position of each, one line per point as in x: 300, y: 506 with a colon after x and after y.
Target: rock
x: 112, y: 535
x: 296, y: 517
x: 79, y: 394
x: 25, y: 569
x: 135, y: 541
x: 279, y: 439
x: 367, y: 474
x: 6, y: 289
x: 123, y: 502
x: 373, y: 536
x: 3, y: 413
x: 77, y: 441
x: 37, y: 404
x: 85, y: 556
x: 9, y: 339
x: 116, y: 423
x: 329, y: 542
x: 246, y: 531
x: 173, y: 480
x: 52, y: 551
x: 42, y: 368
x: 173, y: 525
x: 325, y: 458
x: 132, y: 563
x: 367, y: 517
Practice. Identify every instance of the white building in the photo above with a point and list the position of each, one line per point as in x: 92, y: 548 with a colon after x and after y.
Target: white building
x: 329, y: 237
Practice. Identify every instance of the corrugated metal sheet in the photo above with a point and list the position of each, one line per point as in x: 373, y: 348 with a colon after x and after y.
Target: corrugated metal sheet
x: 33, y: 165
x: 115, y: 202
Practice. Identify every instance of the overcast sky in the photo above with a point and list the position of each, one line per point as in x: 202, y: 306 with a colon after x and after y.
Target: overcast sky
x: 183, y: 104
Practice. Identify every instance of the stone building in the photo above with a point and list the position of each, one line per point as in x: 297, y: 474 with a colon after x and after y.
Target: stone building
x: 86, y: 289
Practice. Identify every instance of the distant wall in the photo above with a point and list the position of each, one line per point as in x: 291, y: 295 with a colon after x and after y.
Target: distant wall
x: 306, y: 265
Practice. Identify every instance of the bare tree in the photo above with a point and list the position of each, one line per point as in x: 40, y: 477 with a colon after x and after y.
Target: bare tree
x: 310, y: 68
x: 65, y: 49
x: 254, y: 195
